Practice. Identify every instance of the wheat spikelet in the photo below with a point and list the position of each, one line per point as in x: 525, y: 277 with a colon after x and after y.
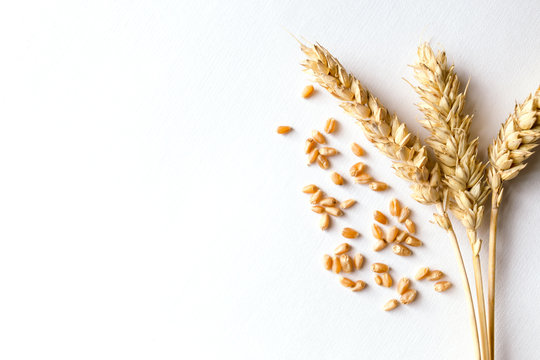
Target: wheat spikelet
x: 515, y: 142
x: 442, y: 105
x: 385, y: 131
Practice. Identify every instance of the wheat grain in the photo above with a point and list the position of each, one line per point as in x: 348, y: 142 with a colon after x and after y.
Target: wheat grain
x: 284, y: 129
x: 435, y: 275
x: 336, y: 178
x: 310, y: 189
x: 330, y: 126
x: 342, y: 249
x: 324, y: 223
x: 359, y: 285
x: 379, y: 267
x: 317, y: 209
x: 347, y: 282
x: 347, y: 264
x: 422, y: 273
x: 328, y: 151
x: 386, y: 280
x: 308, y: 91
x: 380, y: 217
x: 408, y: 296
x: 328, y: 201
x: 327, y: 262
x: 345, y: 204
x: 358, y: 261
x: 442, y: 286
x: 349, y: 233
x: 403, y: 285
x: 310, y: 145
x: 323, y: 162
x: 357, y: 149
x: 390, y: 305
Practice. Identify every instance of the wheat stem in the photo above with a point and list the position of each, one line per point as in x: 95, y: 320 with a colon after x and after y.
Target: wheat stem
x: 464, y: 280
x: 480, y: 302
x: 492, y: 261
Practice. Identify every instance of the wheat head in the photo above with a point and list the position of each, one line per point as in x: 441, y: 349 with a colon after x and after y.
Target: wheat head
x: 515, y: 143
x: 385, y: 131
x: 442, y: 105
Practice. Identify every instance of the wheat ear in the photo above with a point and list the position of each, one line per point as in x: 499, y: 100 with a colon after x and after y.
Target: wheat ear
x: 442, y: 104
x: 514, y: 144
x: 392, y: 138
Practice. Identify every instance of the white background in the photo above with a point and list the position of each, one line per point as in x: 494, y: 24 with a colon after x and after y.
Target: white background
x: 148, y: 210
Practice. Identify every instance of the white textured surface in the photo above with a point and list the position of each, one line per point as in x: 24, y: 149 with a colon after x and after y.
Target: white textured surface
x: 148, y: 210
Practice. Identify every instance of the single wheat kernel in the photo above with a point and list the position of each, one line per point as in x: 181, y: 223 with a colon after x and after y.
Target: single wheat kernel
x: 358, y: 261
x: 386, y: 280
x: 327, y: 262
x: 329, y: 201
x: 442, y: 286
x: 402, y: 285
x: 318, y: 137
x: 330, y: 126
x: 342, y: 249
x: 310, y: 189
x: 284, y: 129
x: 379, y: 245
x: 334, y: 211
x: 411, y: 228
x: 392, y: 234
x: 317, y: 209
x: 328, y: 151
x: 380, y: 217
x: 422, y: 273
x: 336, y: 265
x: 377, y: 231
x: 402, y: 236
x: 378, y: 186
x: 316, y: 197
x: 363, y: 179
x: 359, y: 285
x: 313, y: 156
x: 336, y: 178
x: 395, y: 207
x: 390, y: 305
x: 347, y: 282
x: 404, y: 214
x: 378, y: 280
x: 412, y: 241
x: 357, y: 149
x: 435, y: 275
x: 347, y: 203
x: 310, y: 145
x: 347, y: 264
x: 408, y: 296
x: 324, y: 223
x: 308, y: 91
x: 357, y: 169
x: 349, y: 233
x: 323, y: 162
x: 401, y: 250
x: 379, y: 267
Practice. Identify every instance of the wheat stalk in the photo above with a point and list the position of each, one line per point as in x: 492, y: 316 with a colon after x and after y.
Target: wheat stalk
x: 392, y: 138
x: 442, y: 105
x: 514, y: 144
